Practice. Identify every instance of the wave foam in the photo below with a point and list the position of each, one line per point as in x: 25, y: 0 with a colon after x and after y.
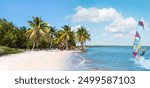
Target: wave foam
x: 143, y: 63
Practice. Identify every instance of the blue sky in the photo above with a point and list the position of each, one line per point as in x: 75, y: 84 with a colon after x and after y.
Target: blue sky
x: 110, y: 22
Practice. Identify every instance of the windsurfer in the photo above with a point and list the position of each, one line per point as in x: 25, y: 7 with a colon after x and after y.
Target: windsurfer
x: 142, y: 54
x: 138, y: 41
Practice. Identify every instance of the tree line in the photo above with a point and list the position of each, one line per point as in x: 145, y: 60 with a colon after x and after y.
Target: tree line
x: 41, y: 35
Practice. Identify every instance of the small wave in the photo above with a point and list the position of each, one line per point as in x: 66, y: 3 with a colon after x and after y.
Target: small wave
x: 142, y: 62
x: 80, y: 63
x: 83, y: 61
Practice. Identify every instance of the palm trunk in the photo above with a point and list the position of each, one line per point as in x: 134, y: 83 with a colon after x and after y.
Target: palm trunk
x: 66, y: 44
x: 50, y: 46
x: 37, y: 45
x: 85, y: 47
x: 33, y: 46
x: 82, y: 47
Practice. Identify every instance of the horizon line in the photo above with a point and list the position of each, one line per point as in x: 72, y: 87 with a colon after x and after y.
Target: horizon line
x: 112, y: 45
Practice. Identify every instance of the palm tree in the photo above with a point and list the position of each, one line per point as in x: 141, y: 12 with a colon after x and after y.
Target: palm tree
x: 65, y: 35
x: 82, y: 37
x: 39, y: 29
x: 52, y: 35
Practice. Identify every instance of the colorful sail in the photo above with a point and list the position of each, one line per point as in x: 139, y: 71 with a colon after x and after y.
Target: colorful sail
x: 138, y: 38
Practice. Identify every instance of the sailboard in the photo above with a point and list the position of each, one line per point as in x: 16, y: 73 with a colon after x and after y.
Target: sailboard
x: 138, y: 38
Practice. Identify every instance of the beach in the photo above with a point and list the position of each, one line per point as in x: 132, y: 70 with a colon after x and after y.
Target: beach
x: 112, y: 58
x: 53, y: 60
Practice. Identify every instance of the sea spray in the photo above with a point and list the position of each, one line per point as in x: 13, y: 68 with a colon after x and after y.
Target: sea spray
x: 142, y: 62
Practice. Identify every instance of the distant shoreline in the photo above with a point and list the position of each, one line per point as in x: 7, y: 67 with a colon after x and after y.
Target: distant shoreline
x: 110, y: 46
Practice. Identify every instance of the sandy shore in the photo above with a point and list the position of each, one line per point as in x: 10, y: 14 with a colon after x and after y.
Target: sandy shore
x: 35, y: 61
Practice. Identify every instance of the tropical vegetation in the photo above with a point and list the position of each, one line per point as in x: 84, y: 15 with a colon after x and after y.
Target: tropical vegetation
x: 40, y: 35
x: 67, y: 37
x: 39, y: 30
x: 82, y: 37
x: 6, y: 50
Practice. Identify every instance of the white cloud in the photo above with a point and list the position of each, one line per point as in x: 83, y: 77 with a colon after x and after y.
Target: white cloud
x: 119, y: 25
x: 122, y: 25
x: 95, y: 15
x: 119, y: 35
x: 146, y: 26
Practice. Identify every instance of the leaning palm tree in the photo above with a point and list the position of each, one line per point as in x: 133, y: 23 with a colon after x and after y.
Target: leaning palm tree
x: 39, y: 29
x: 82, y: 37
x: 65, y: 35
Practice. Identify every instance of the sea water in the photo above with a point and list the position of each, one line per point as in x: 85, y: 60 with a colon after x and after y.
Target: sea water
x: 109, y: 58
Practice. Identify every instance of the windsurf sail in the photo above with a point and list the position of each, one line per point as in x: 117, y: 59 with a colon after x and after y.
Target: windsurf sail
x: 138, y: 38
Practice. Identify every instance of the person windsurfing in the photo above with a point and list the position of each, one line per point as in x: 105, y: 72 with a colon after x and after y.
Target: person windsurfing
x: 137, y: 45
x: 143, y: 52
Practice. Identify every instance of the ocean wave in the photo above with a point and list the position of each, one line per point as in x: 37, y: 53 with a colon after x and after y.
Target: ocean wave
x: 80, y: 63
x: 143, y: 63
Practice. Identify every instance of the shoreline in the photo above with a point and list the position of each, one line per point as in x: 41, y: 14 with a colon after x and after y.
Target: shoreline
x: 51, y: 60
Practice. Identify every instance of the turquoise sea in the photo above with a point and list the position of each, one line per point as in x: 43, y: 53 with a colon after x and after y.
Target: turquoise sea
x: 109, y: 58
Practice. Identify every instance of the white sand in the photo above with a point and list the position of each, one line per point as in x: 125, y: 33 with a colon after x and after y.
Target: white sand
x: 35, y: 61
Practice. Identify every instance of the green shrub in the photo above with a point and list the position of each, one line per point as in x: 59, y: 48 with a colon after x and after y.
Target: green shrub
x: 6, y: 50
